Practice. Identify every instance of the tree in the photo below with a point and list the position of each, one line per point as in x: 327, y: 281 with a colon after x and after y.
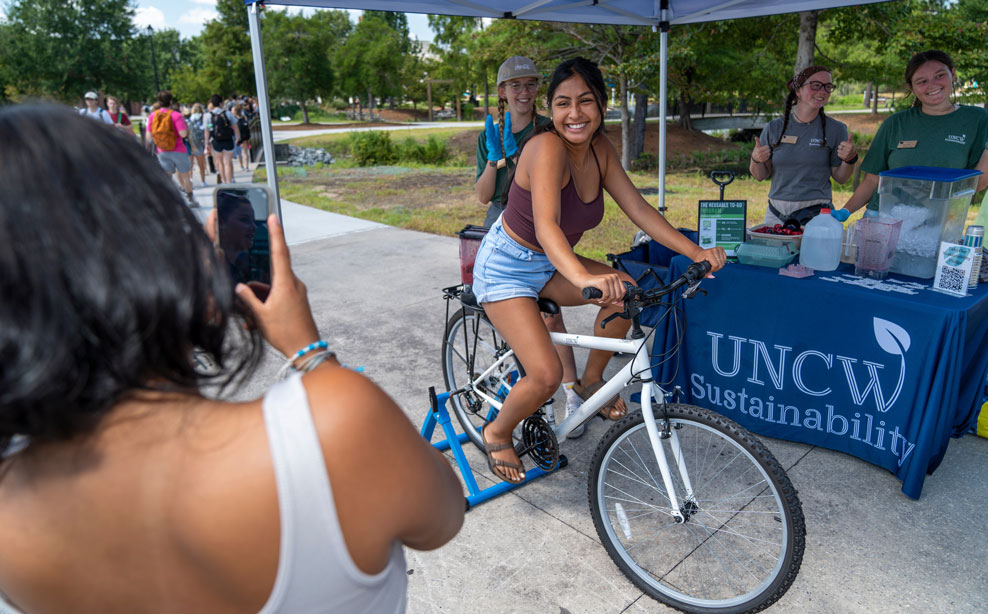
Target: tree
x: 369, y: 63
x: 807, y: 40
x: 61, y: 49
x: 227, y: 61
x: 298, y: 51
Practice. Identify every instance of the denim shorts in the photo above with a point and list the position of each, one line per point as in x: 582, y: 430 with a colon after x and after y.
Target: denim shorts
x: 506, y: 269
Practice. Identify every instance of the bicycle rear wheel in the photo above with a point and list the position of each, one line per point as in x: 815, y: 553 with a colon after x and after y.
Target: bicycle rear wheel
x: 742, y: 543
x: 470, y: 347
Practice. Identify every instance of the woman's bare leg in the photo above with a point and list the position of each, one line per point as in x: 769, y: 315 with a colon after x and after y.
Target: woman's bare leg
x: 563, y: 292
x: 520, y: 324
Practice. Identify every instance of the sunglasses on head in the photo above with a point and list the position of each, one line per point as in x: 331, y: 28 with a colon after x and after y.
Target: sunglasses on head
x: 816, y: 86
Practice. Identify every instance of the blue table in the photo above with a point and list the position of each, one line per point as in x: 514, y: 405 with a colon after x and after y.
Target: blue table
x: 885, y: 376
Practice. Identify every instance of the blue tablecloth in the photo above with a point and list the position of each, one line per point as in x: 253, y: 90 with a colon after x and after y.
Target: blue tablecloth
x: 886, y: 376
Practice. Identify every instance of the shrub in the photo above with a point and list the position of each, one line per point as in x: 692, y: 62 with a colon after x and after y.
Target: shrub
x: 433, y: 151
x: 372, y: 148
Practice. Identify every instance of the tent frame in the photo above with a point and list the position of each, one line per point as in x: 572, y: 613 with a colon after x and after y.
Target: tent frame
x: 531, y: 11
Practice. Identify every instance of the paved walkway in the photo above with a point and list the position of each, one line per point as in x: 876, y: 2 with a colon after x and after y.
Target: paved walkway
x: 375, y: 292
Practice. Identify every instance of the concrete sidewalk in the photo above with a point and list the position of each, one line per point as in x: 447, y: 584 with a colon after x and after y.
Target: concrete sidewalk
x: 376, y: 295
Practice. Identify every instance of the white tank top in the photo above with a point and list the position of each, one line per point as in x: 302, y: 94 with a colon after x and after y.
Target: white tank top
x: 315, y: 571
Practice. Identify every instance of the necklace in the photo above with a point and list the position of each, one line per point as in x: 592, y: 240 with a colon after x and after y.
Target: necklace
x: 799, y: 120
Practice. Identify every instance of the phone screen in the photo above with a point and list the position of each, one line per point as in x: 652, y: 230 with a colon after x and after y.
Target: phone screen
x: 242, y: 233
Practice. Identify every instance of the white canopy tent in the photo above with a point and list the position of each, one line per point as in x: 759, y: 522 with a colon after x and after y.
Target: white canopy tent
x: 660, y: 14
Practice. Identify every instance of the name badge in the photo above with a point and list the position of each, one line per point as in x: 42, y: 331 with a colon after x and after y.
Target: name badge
x: 790, y: 139
x: 907, y: 144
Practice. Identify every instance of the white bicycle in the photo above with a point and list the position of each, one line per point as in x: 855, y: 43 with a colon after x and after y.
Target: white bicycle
x: 692, y: 507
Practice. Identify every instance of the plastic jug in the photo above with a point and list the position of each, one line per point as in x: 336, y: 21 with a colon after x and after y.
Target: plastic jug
x: 822, y: 237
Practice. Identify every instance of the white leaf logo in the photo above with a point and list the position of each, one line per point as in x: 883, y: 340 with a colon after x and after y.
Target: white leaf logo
x: 895, y: 340
x: 891, y: 337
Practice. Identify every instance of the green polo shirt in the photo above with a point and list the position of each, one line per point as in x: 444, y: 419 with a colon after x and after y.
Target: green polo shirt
x: 500, y: 184
x: 913, y: 138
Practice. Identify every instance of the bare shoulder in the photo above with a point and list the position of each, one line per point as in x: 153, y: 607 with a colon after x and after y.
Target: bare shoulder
x: 606, y: 153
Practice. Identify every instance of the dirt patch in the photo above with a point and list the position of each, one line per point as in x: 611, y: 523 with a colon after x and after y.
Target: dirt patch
x: 862, y: 123
x: 383, y: 188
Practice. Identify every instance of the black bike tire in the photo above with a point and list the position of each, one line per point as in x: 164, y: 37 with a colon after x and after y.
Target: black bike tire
x: 795, y: 522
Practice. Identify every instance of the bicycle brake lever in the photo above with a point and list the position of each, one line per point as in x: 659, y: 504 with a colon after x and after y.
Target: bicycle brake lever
x: 608, y: 319
x: 691, y: 291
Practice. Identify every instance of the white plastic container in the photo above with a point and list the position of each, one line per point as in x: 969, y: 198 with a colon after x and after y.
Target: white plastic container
x: 821, y: 246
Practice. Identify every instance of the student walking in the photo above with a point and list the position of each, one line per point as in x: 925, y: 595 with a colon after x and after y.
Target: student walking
x: 167, y: 129
x: 221, y: 134
x: 93, y: 110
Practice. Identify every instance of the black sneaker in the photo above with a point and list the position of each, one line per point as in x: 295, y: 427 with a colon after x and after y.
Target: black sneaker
x: 193, y: 203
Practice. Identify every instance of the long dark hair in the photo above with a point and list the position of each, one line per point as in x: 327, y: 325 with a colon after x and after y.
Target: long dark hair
x: 590, y: 73
x: 793, y: 85
x: 918, y: 59
x: 108, y: 280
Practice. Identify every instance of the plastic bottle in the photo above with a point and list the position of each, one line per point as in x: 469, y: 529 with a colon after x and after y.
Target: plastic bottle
x: 821, y: 244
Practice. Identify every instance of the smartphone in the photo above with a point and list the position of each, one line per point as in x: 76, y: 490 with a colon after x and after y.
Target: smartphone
x: 242, y: 231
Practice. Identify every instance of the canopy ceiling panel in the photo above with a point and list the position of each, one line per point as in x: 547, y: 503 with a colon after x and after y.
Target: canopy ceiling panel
x: 626, y: 12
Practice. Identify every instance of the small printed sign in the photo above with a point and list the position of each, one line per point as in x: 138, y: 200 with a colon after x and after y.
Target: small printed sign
x: 721, y: 223
x: 953, y: 268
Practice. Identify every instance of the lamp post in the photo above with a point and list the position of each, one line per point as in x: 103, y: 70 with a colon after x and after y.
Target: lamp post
x: 154, y: 61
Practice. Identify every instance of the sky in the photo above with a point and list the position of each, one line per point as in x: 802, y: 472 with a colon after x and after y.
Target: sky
x: 190, y: 16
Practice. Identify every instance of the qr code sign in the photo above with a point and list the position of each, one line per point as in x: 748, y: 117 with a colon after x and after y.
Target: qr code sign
x: 953, y: 279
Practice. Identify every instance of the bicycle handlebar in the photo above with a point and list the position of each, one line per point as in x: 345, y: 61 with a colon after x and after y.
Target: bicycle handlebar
x: 695, y: 272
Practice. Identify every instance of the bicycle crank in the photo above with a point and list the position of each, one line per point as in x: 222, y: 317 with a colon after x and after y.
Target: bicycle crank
x: 539, y: 442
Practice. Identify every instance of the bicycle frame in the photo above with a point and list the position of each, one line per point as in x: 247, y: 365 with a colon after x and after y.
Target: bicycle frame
x: 636, y: 370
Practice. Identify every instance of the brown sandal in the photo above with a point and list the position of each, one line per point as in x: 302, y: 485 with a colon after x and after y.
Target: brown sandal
x: 608, y: 409
x: 494, y: 463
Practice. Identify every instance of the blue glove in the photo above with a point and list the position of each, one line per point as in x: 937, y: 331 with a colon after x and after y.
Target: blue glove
x: 510, y: 146
x: 840, y: 214
x: 493, y: 140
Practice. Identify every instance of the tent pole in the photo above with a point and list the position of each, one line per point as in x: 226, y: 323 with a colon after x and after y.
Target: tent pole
x: 663, y: 73
x: 260, y: 79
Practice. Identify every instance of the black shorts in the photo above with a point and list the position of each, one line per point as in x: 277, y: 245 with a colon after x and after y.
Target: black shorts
x: 222, y: 145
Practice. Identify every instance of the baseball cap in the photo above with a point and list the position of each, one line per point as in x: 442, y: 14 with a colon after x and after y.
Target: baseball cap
x: 516, y: 67
x: 91, y: 95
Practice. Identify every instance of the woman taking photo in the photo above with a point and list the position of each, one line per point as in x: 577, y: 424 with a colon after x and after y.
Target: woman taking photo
x: 933, y: 132
x: 802, y: 150
x: 555, y: 196
x: 122, y: 487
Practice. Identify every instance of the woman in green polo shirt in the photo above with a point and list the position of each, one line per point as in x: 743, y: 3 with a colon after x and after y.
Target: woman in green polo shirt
x: 933, y: 132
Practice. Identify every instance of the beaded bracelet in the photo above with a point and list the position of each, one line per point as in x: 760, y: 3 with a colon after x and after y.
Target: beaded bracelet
x: 290, y: 362
x: 853, y: 159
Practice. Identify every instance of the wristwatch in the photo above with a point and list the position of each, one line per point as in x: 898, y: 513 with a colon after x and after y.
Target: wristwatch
x: 492, y: 163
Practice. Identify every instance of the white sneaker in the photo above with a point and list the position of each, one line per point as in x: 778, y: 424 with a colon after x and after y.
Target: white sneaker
x: 571, y: 407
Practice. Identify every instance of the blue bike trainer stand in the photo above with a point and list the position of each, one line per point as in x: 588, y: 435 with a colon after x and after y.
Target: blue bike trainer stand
x: 439, y: 415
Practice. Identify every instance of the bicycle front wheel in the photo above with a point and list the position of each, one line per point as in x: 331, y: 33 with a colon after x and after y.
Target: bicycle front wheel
x: 470, y: 347
x: 742, y: 541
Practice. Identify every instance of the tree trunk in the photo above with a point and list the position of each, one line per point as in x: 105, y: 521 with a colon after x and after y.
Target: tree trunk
x: 637, y: 145
x: 305, y: 113
x: 487, y: 93
x: 625, y: 123
x: 867, y: 95
x: 807, y: 40
x: 360, y: 109
x: 685, y: 121
x: 874, y: 101
x: 370, y: 106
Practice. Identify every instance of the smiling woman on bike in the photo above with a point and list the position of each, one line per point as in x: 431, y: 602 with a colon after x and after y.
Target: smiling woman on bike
x: 555, y: 196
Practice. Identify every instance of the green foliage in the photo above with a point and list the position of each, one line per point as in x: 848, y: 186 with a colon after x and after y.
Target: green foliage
x: 298, y: 51
x: 432, y: 151
x: 372, y: 148
x: 369, y: 63
x: 227, y: 61
x: 51, y: 48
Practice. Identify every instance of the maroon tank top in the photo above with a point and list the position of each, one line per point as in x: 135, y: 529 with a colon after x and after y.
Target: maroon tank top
x: 575, y: 216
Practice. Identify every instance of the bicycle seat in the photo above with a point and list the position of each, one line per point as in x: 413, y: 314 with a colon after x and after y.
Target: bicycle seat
x: 546, y: 305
